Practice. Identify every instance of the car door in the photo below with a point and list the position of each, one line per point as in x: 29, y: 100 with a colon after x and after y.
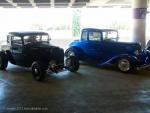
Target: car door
x: 94, y: 46
x: 17, y: 50
x: 110, y: 44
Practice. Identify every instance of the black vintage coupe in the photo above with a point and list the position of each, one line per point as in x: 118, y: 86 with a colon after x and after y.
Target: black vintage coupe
x: 33, y: 49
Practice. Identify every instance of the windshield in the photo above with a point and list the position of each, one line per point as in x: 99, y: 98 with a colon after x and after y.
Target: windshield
x: 36, y: 38
x: 110, y: 36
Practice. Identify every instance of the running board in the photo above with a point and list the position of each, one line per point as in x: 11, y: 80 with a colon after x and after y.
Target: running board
x: 143, y: 67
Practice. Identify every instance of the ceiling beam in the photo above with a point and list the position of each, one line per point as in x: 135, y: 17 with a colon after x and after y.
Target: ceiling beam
x: 97, y: 2
x: 32, y: 3
x: 71, y: 3
x: 12, y: 3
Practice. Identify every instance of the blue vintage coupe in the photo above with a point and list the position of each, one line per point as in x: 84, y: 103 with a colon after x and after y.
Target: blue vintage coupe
x: 102, y: 47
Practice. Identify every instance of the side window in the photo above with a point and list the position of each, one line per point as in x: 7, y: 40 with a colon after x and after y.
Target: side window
x: 45, y: 38
x: 110, y: 36
x: 84, y: 35
x: 94, y: 36
x: 16, y: 41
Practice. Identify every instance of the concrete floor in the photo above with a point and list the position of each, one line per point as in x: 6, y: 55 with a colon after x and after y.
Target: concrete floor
x: 91, y: 90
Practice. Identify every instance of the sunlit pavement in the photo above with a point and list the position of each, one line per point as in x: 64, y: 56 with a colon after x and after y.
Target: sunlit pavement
x: 91, y: 90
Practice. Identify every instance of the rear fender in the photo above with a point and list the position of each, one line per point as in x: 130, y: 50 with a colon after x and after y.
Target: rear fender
x: 134, y: 60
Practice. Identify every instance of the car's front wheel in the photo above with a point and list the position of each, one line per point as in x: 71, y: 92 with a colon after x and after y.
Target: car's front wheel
x: 3, y: 61
x: 70, y: 52
x: 124, y: 65
x: 72, y: 64
x: 38, y: 72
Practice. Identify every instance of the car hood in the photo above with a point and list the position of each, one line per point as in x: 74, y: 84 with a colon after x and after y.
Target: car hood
x: 43, y: 46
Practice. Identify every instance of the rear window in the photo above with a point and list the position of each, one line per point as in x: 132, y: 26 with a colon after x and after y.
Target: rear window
x: 110, y: 36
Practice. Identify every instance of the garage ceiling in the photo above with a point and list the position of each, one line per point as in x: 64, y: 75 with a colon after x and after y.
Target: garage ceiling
x: 63, y: 3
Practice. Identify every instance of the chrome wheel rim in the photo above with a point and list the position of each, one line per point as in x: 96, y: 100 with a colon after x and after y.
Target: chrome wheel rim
x: 124, y: 65
x: 36, y: 71
x: 71, y: 53
x: 68, y: 62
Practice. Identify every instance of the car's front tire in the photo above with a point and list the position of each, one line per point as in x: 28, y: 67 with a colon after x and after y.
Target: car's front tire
x: 3, y: 61
x: 38, y: 72
x: 72, y: 64
x: 124, y: 65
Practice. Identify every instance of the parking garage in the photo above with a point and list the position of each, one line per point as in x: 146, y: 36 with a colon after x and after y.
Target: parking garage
x: 91, y: 89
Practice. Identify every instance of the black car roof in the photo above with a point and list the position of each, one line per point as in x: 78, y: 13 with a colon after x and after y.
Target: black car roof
x: 28, y: 33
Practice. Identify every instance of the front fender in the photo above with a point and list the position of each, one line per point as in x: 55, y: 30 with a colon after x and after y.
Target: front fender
x: 10, y: 57
x: 78, y: 52
x: 133, y: 59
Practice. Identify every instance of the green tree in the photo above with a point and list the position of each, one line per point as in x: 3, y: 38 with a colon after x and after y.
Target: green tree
x: 76, y: 23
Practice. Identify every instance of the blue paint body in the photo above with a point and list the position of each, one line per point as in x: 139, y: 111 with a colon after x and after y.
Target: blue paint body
x: 104, y: 51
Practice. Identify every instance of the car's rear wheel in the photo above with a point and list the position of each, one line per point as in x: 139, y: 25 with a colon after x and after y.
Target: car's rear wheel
x: 124, y: 65
x: 38, y: 72
x: 3, y: 61
x: 72, y: 64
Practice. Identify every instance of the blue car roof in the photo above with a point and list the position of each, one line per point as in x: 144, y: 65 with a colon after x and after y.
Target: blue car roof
x: 28, y: 33
x: 95, y: 29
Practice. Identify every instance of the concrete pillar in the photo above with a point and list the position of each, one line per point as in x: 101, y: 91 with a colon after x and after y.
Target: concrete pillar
x: 139, y: 21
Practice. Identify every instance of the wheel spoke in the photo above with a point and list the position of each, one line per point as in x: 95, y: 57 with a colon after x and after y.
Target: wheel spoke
x: 71, y: 53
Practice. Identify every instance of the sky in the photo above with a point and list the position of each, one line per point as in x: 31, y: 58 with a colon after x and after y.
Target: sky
x: 23, y: 19
x: 17, y: 19
x: 103, y: 16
